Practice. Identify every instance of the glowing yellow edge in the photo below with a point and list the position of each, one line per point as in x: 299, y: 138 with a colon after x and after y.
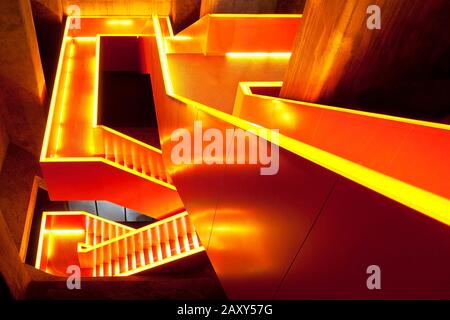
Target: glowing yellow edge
x: 161, y: 262
x: 83, y: 249
x: 246, y: 88
x: 258, y: 54
x: 169, y: 26
x: 124, y: 34
x: 68, y: 213
x: 64, y: 231
x: 41, y: 241
x: 124, y: 136
x: 91, y: 159
x: 111, y: 163
x: 112, y: 17
x: 430, y: 204
x: 50, y: 117
x: 96, y: 80
x: 87, y: 214
x: 254, y: 15
x: 54, y: 93
x: 82, y: 38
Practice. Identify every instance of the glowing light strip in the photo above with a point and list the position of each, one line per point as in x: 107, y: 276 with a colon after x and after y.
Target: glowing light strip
x: 119, y: 22
x: 51, y: 111
x: 429, y: 204
x: 90, y: 215
x: 64, y: 97
x: 169, y: 26
x: 125, y: 236
x: 246, y: 84
x: 254, y: 15
x: 137, y: 35
x: 67, y: 232
x: 62, y: 232
x: 96, y: 16
x: 131, y: 139
x: 82, y: 38
x: 161, y: 262
x: 41, y: 241
x: 111, y: 163
x: 258, y: 54
x: 96, y: 81
x: 163, y: 58
x: 179, y: 38
x: 150, y: 178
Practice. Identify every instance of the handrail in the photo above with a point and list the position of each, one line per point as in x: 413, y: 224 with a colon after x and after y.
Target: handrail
x: 134, y: 155
x: 130, y: 234
x: 429, y: 204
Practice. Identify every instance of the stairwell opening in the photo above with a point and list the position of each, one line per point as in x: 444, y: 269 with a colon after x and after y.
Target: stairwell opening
x: 125, y: 96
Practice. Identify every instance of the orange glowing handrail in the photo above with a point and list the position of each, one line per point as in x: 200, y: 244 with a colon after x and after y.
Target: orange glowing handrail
x: 84, y: 249
x: 428, y: 203
x: 174, y: 234
x: 54, y: 93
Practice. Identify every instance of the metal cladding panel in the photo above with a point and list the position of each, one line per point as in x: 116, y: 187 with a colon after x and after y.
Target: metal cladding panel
x: 99, y: 181
x: 358, y: 228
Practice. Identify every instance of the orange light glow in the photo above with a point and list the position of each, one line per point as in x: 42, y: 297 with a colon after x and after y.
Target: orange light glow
x: 97, y: 67
x: 65, y: 232
x: 54, y: 93
x: 94, y: 256
x: 120, y: 22
x: 258, y: 54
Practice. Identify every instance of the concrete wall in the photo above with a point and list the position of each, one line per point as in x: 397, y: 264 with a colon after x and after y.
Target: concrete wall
x: 22, y: 84
x: 16, y: 181
x: 252, y: 6
x: 11, y: 268
x: 4, y: 141
x: 123, y: 7
x: 400, y: 69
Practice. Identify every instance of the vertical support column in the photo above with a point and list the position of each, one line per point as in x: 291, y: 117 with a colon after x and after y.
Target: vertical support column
x: 22, y: 84
x: 338, y: 60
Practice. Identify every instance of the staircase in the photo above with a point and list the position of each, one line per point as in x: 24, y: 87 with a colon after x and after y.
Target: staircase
x: 105, y: 248
x: 119, y: 163
x: 132, y: 154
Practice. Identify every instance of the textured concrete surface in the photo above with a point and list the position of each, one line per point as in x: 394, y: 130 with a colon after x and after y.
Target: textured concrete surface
x: 12, y: 269
x: 184, y: 13
x: 16, y: 180
x: 4, y: 141
x: 397, y: 69
x: 22, y: 85
x: 48, y: 9
x: 48, y: 22
x: 119, y: 7
x: 194, y: 286
x: 238, y: 6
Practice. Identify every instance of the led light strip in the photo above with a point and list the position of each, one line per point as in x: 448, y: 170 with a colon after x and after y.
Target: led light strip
x: 258, y: 54
x: 54, y: 93
x: 429, y: 204
x: 96, y: 81
x: 62, y: 232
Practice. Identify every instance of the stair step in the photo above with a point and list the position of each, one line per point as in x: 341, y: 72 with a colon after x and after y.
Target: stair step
x: 152, y: 244
x: 123, y: 263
